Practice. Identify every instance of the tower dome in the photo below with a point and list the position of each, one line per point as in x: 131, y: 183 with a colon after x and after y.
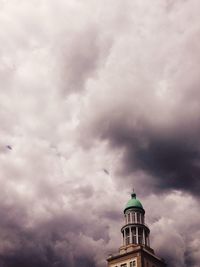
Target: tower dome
x: 133, y: 203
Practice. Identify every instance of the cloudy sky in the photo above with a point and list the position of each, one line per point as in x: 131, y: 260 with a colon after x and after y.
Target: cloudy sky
x: 97, y: 97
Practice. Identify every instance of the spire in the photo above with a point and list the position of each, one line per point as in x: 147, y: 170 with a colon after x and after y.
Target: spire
x: 133, y: 194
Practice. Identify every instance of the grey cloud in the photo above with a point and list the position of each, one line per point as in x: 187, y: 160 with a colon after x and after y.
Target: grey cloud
x: 149, y: 107
x: 174, y: 221
x: 171, y: 160
x: 81, y: 59
x: 170, y: 155
x: 87, y: 86
x: 54, y: 242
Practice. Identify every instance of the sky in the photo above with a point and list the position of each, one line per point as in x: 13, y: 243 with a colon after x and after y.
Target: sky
x: 98, y: 97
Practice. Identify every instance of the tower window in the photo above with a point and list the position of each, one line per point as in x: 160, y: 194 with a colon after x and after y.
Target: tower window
x: 132, y: 263
x: 140, y: 235
x: 133, y: 216
x: 123, y: 265
x: 134, y: 235
x: 142, y: 218
x: 129, y: 217
x: 138, y: 217
x: 127, y: 235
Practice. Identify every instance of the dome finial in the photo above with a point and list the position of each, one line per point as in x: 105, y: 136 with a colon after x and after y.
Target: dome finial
x: 133, y: 194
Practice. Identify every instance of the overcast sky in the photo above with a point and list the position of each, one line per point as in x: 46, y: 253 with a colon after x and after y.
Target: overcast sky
x: 97, y: 97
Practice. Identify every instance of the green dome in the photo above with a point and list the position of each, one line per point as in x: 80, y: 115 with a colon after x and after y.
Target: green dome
x: 133, y: 203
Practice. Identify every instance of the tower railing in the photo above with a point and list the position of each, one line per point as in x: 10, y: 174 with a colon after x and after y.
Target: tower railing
x: 133, y: 223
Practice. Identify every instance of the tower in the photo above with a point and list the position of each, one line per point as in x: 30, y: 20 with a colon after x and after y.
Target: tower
x: 135, y: 250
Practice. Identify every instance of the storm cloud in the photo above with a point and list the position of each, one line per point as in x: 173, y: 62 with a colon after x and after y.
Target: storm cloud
x: 97, y: 98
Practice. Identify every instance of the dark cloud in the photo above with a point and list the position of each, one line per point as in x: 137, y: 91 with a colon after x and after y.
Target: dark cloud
x: 37, y: 248
x: 48, y: 243
x: 171, y: 227
x: 172, y: 160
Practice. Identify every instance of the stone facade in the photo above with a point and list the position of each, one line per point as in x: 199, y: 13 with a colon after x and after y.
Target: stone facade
x: 135, y: 256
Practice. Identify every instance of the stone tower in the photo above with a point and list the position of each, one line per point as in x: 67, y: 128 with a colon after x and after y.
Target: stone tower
x: 135, y: 250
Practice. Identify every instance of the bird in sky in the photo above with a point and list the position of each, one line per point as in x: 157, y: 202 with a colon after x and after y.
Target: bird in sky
x: 106, y: 171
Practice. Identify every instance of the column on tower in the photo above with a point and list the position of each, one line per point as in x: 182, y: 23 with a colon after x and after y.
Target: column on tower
x: 137, y: 241
x: 131, y: 236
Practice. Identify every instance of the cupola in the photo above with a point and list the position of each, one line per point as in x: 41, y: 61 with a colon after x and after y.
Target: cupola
x: 135, y: 231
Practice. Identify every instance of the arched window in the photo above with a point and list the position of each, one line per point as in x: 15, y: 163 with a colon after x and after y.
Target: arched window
x: 142, y: 216
x: 133, y: 216
x: 138, y: 217
x: 132, y: 263
x: 134, y: 235
x: 140, y: 235
x: 127, y: 236
x: 129, y: 218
